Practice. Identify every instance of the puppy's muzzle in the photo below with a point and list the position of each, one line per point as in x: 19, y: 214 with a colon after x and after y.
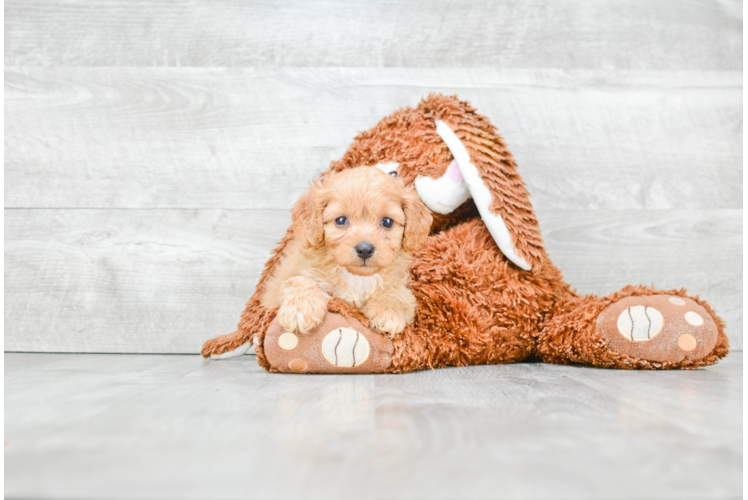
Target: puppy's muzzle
x: 364, y: 250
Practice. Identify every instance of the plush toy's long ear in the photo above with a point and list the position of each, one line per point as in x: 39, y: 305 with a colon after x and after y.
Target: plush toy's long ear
x: 418, y: 221
x: 306, y: 215
x: 490, y: 173
x: 420, y: 149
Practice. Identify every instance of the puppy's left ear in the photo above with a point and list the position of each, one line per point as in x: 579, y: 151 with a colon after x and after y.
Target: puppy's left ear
x: 418, y: 221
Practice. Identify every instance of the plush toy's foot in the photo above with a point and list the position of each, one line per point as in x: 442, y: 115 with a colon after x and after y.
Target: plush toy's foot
x: 660, y: 328
x: 338, y: 345
x: 635, y: 328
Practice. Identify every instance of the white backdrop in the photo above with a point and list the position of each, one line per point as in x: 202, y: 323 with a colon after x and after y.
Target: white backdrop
x: 152, y: 150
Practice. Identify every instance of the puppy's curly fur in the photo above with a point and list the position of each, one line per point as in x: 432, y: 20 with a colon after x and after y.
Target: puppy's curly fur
x: 335, y: 225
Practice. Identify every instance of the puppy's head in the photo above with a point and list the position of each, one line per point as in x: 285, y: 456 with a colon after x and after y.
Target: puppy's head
x: 362, y: 217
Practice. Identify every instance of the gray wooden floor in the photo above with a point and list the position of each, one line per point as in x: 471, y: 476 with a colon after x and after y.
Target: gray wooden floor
x: 169, y: 426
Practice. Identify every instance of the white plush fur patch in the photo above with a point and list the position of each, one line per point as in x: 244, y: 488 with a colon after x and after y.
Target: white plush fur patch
x: 239, y: 351
x: 389, y: 167
x: 445, y: 194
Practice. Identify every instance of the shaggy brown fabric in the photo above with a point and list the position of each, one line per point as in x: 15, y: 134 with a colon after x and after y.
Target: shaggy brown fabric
x: 474, y: 305
x: 340, y: 307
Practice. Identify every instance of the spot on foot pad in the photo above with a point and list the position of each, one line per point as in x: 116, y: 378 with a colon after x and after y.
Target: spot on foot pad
x: 640, y: 323
x: 677, y: 301
x: 288, y: 341
x: 687, y: 342
x: 345, y: 348
x: 694, y: 318
x: 297, y: 365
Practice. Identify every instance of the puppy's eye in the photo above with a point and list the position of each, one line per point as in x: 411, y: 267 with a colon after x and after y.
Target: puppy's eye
x: 341, y: 221
x: 387, y: 223
x: 393, y: 173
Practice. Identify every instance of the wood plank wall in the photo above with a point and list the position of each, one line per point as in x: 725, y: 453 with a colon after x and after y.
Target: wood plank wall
x: 153, y: 149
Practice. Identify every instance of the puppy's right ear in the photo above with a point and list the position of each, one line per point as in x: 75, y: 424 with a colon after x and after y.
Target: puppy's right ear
x: 418, y: 221
x: 306, y: 214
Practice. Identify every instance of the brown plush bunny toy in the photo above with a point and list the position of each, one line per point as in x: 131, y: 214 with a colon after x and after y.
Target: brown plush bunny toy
x: 486, y: 290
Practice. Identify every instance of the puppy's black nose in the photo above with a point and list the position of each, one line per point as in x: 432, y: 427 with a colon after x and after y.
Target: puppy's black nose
x: 364, y: 250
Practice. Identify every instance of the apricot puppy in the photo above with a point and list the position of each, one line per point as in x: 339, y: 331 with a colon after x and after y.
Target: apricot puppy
x: 354, y: 233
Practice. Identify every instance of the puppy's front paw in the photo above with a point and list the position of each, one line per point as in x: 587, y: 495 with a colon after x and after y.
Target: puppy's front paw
x: 386, y: 321
x: 302, y: 314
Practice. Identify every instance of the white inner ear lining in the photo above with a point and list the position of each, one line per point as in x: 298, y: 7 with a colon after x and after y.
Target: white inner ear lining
x: 389, y: 167
x: 481, y: 195
x: 445, y: 194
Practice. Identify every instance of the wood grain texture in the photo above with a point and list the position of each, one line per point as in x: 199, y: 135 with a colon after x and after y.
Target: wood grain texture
x: 153, y: 149
x: 114, y: 426
x: 253, y: 138
x: 164, y: 281
x: 131, y: 281
x: 621, y: 34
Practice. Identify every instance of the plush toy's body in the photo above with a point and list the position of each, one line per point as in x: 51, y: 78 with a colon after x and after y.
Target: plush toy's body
x: 486, y: 290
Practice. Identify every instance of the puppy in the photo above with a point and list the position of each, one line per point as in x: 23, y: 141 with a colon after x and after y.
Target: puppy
x: 353, y: 235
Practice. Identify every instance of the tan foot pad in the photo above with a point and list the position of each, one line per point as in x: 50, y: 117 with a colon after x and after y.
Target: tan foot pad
x: 658, y: 328
x: 338, y: 345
